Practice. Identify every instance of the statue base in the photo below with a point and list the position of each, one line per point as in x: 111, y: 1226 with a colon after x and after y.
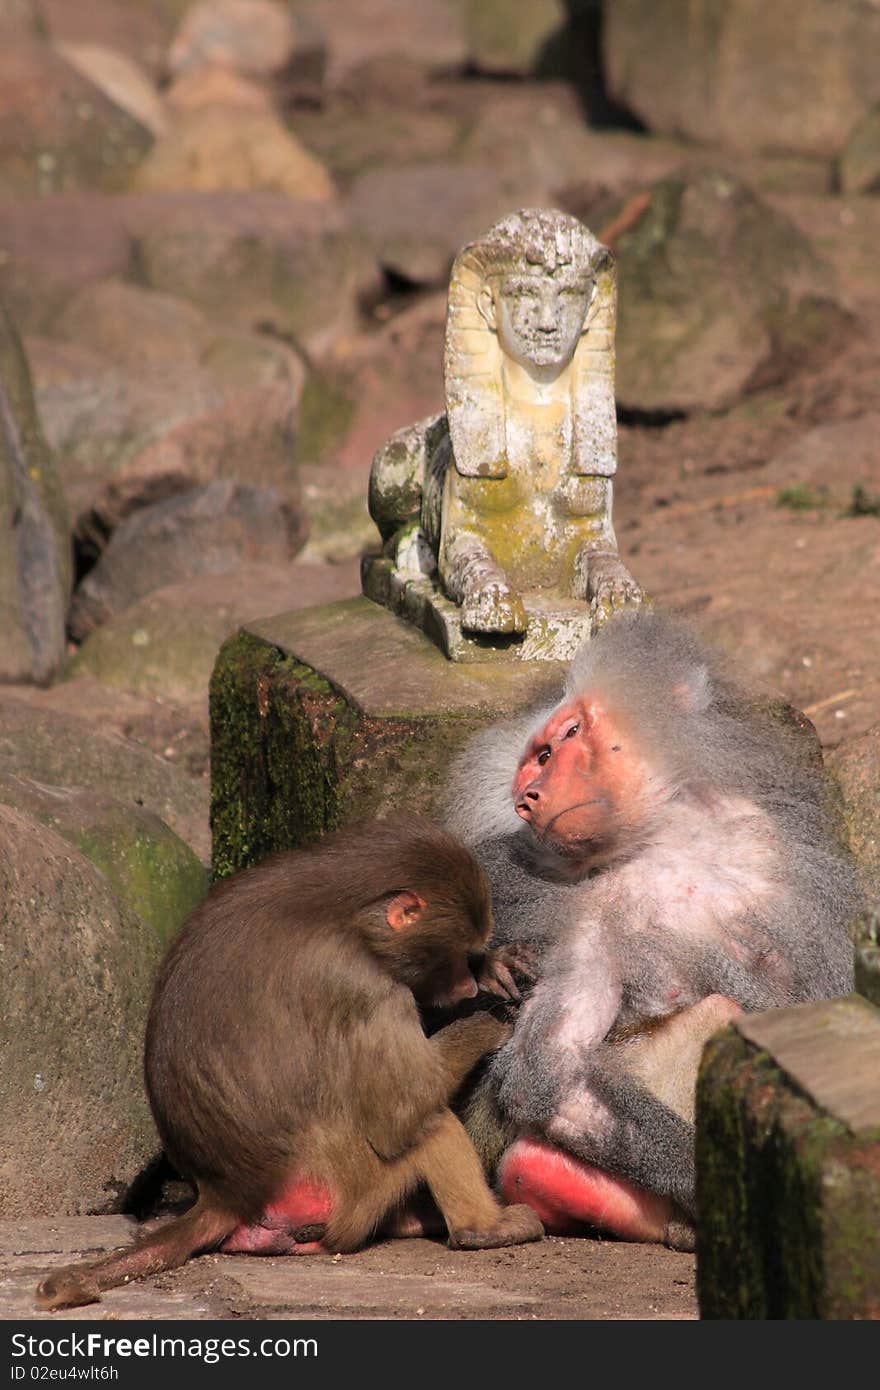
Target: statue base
x: 339, y: 713
x: 557, y: 627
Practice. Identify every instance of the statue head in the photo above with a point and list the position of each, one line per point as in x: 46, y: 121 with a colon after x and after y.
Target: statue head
x: 538, y: 290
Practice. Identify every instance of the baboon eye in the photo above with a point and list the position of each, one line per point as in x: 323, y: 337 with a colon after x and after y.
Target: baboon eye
x: 570, y: 733
x: 543, y: 755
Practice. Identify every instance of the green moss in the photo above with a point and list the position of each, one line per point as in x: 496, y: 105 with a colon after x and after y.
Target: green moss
x: 802, y: 498
x: 155, y: 873
x: 326, y: 410
x: 864, y: 503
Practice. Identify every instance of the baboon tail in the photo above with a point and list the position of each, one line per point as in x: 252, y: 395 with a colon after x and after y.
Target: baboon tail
x: 203, y: 1227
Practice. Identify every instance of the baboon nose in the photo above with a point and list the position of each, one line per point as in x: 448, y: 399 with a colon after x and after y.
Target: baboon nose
x: 525, y: 807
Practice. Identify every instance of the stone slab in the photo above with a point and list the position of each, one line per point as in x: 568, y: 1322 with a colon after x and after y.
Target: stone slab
x: 830, y: 1050
x: 387, y: 669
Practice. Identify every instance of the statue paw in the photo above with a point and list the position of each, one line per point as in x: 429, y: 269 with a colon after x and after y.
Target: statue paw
x: 493, y: 608
x: 611, y: 587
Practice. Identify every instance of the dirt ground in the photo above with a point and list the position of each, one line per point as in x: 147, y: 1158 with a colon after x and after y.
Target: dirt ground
x: 569, y: 1279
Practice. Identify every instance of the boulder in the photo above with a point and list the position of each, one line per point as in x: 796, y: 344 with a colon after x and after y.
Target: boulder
x: 214, y: 148
x: 858, y: 168
x: 417, y: 218
x: 167, y: 643
x: 121, y: 79
x: 215, y: 85
x: 58, y: 130
x: 51, y: 246
x: 78, y: 964
x: 258, y: 260
x: 209, y: 530
x: 149, y: 868
x: 20, y: 17
x: 50, y: 746
x: 719, y: 294
x: 794, y: 76
x: 255, y: 37
x: 35, y: 553
x: 506, y: 37
x: 430, y: 34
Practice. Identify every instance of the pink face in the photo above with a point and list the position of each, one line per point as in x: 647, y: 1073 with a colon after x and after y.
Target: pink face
x: 575, y: 777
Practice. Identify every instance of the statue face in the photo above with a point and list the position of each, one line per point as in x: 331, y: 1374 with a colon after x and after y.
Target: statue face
x: 538, y: 316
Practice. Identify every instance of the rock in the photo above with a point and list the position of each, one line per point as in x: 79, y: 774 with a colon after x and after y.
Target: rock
x: 255, y: 37
x: 719, y: 294
x: 75, y: 1127
x: 792, y: 77
x: 209, y: 530
x: 167, y: 643
x: 825, y: 466
x: 140, y: 31
x: 352, y: 138
x: 35, y: 553
x: 120, y: 79
x: 164, y: 401
x: 58, y: 130
x: 416, y: 219
x: 215, y: 86
x: 431, y: 34
x: 51, y: 246
x: 856, y: 768
x: 20, y: 17
x: 214, y: 148
x: 259, y: 261
x: 859, y: 165
x: 50, y: 746
x: 150, y: 868
x: 507, y: 37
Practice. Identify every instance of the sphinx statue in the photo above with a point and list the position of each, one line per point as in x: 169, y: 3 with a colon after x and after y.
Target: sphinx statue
x: 496, y: 515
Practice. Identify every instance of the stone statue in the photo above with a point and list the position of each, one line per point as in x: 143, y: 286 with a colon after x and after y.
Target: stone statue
x: 496, y: 517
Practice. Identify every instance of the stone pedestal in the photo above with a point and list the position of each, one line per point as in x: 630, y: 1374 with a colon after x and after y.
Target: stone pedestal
x: 331, y: 714
x: 788, y: 1164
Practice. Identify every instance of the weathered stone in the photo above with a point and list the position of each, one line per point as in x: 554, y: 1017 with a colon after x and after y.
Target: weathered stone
x: 856, y: 768
x: 788, y: 1165
x: 792, y: 76
x: 120, y: 79
x: 260, y: 260
x: 308, y: 732
x: 352, y: 139
x: 167, y: 643
x: 858, y: 167
x: 60, y: 750
x: 35, y: 553
x: 496, y: 516
x: 417, y: 218
x: 216, y: 148
x: 719, y: 294
x: 257, y: 37
x: 58, y: 130
x: 150, y: 398
x: 77, y: 969
x: 208, y: 530
x: 149, y: 868
x: 430, y: 33
x: 505, y: 36
x: 51, y: 246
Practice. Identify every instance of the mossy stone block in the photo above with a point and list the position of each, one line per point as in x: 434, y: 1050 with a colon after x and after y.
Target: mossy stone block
x: 332, y: 714
x: 788, y: 1165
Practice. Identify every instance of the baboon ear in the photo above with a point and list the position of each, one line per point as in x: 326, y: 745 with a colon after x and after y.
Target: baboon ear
x: 404, y: 910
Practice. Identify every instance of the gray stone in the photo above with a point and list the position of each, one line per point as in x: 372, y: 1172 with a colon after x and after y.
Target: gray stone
x: 35, y: 554
x: 58, y: 130
x: 60, y: 750
x: 77, y: 969
x: 150, y: 868
x: 507, y: 37
x: 792, y: 76
x: 719, y: 294
x: 208, y: 530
